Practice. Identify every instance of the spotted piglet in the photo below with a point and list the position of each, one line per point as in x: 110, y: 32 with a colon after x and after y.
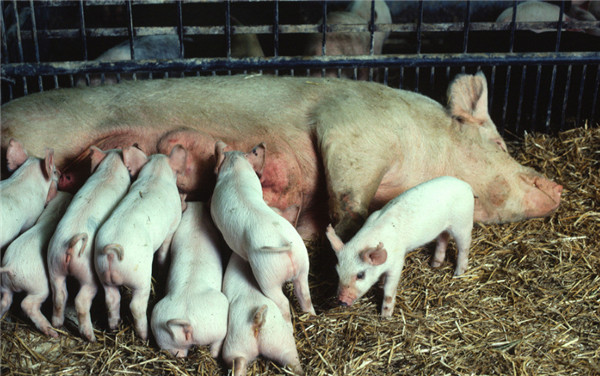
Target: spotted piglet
x: 143, y: 223
x: 437, y: 208
x: 194, y: 311
x: 256, y: 232
x: 256, y: 326
x: 70, y: 252
x: 24, y: 265
x: 25, y: 193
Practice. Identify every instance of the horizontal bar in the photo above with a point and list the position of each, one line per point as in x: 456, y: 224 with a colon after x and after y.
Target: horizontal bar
x: 421, y: 60
x: 312, y: 28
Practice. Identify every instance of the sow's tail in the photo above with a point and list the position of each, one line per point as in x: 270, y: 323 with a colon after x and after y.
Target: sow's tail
x: 116, y: 248
x: 81, y: 237
x: 185, y: 325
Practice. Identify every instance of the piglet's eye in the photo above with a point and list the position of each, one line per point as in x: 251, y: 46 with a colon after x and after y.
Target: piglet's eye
x: 360, y: 275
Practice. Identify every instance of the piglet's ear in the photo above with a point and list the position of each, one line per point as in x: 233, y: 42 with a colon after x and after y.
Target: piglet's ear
x: 96, y: 156
x: 467, y: 98
x: 182, y: 197
x: 374, y: 256
x: 219, y: 155
x: 15, y: 154
x: 336, y: 242
x: 134, y: 159
x: 177, y: 159
x: 256, y: 157
x: 49, y: 164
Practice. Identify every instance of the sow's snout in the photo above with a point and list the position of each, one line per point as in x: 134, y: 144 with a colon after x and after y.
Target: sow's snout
x: 544, y: 196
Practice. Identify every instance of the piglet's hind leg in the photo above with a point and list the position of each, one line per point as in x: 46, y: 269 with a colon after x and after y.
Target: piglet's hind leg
x: 31, y: 306
x: 83, y: 304
x: 138, y: 306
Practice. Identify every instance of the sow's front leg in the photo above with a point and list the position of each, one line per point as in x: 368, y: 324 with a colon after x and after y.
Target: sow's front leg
x: 354, y: 166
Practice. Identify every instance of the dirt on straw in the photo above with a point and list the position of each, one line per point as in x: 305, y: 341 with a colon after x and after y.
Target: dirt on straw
x: 529, y: 303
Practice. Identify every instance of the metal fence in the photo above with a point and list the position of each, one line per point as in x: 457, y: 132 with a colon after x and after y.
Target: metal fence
x: 542, y: 76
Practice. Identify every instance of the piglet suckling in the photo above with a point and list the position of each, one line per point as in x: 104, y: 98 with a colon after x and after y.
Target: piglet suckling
x: 255, y: 326
x: 25, y: 193
x: 194, y: 310
x: 24, y: 265
x: 435, y: 209
x: 70, y: 252
x: 142, y: 223
x: 253, y: 230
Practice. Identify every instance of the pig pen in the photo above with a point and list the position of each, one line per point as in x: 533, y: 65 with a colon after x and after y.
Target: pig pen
x: 529, y: 304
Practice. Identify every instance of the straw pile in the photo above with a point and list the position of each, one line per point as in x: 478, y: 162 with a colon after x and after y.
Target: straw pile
x: 528, y: 305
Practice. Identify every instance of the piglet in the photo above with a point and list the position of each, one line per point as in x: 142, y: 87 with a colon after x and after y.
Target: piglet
x: 24, y: 268
x: 254, y: 231
x: 437, y: 208
x: 256, y: 326
x: 70, y: 251
x: 194, y: 311
x: 143, y: 222
x: 26, y: 192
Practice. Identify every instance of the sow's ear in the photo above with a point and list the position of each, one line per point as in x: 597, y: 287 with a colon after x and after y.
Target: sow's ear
x: 134, y: 159
x: 15, y: 154
x: 177, y: 159
x: 256, y: 157
x: 336, y: 242
x: 219, y: 155
x: 374, y: 256
x: 467, y: 98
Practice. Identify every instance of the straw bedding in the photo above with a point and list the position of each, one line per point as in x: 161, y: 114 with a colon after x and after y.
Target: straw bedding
x: 529, y: 303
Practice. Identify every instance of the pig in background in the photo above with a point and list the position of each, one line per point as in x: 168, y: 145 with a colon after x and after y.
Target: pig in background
x: 353, y: 144
x: 351, y: 43
x: 255, y: 326
x: 435, y: 209
x: 26, y: 192
x: 253, y: 230
x: 70, y: 252
x: 194, y: 310
x: 143, y: 223
x: 24, y: 265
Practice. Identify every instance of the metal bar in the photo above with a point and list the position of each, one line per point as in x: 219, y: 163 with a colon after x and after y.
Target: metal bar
x: 491, y: 88
x: 419, y: 26
x: 19, y: 43
x: 580, y: 98
x: 36, y: 45
x: 5, y: 55
x: 536, y: 95
x: 83, y: 38
x: 324, y: 30
x: 520, y: 103
x: 466, y: 26
x: 565, y: 97
x: 559, y: 25
x: 505, y: 105
x: 512, y: 27
x: 423, y: 60
x: 276, y: 29
x: 550, y: 99
x: 131, y: 31
x: 180, y: 28
x: 372, y: 32
x: 595, y: 97
x: 228, y: 27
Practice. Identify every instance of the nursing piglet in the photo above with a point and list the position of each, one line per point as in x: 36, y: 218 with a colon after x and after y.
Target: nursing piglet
x: 25, y: 193
x: 24, y: 267
x: 256, y: 232
x: 143, y: 222
x: 194, y: 311
x: 256, y: 326
x: 437, y: 208
x: 70, y: 252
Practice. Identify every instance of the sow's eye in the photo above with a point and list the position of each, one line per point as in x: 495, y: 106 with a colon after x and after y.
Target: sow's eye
x: 360, y: 275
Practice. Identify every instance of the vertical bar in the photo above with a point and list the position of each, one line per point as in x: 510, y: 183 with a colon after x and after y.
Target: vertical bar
x: 385, y: 75
x: 491, y: 88
x: 20, y: 44
x: 513, y: 27
x: 580, y: 98
x: 372, y: 40
x: 276, y: 29
x: 566, y: 96
x: 536, y: 96
x: 180, y: 28
x: 553, y: 79
x: 520, y: 103
x: 401, y: 81
x: 35, y: 42
x: 324, y: 31
x: 130, y: 29
x: 419, y: 26
x: 559, y: 25
x: 505, y: 105
x: 5, y: 56
x: 466, y: 30
x: 595, y: 96
x: 228, y: 27
x: 431, y: 77
x: 83, y: 39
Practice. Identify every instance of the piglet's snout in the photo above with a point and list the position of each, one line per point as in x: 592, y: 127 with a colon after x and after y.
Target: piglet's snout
x: 346, y: 297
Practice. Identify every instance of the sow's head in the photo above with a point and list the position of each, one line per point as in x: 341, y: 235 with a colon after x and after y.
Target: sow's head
x: 505, y: 191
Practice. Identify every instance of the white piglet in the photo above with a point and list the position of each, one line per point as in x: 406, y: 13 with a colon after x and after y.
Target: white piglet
x: 24, y: 265
x: 25, y: 193
x: 143, y: 223
x: 194, y: 310
x: 254, y: 231
x: 70, y: 252
x: 256, y: 326
x: 435, y: 209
